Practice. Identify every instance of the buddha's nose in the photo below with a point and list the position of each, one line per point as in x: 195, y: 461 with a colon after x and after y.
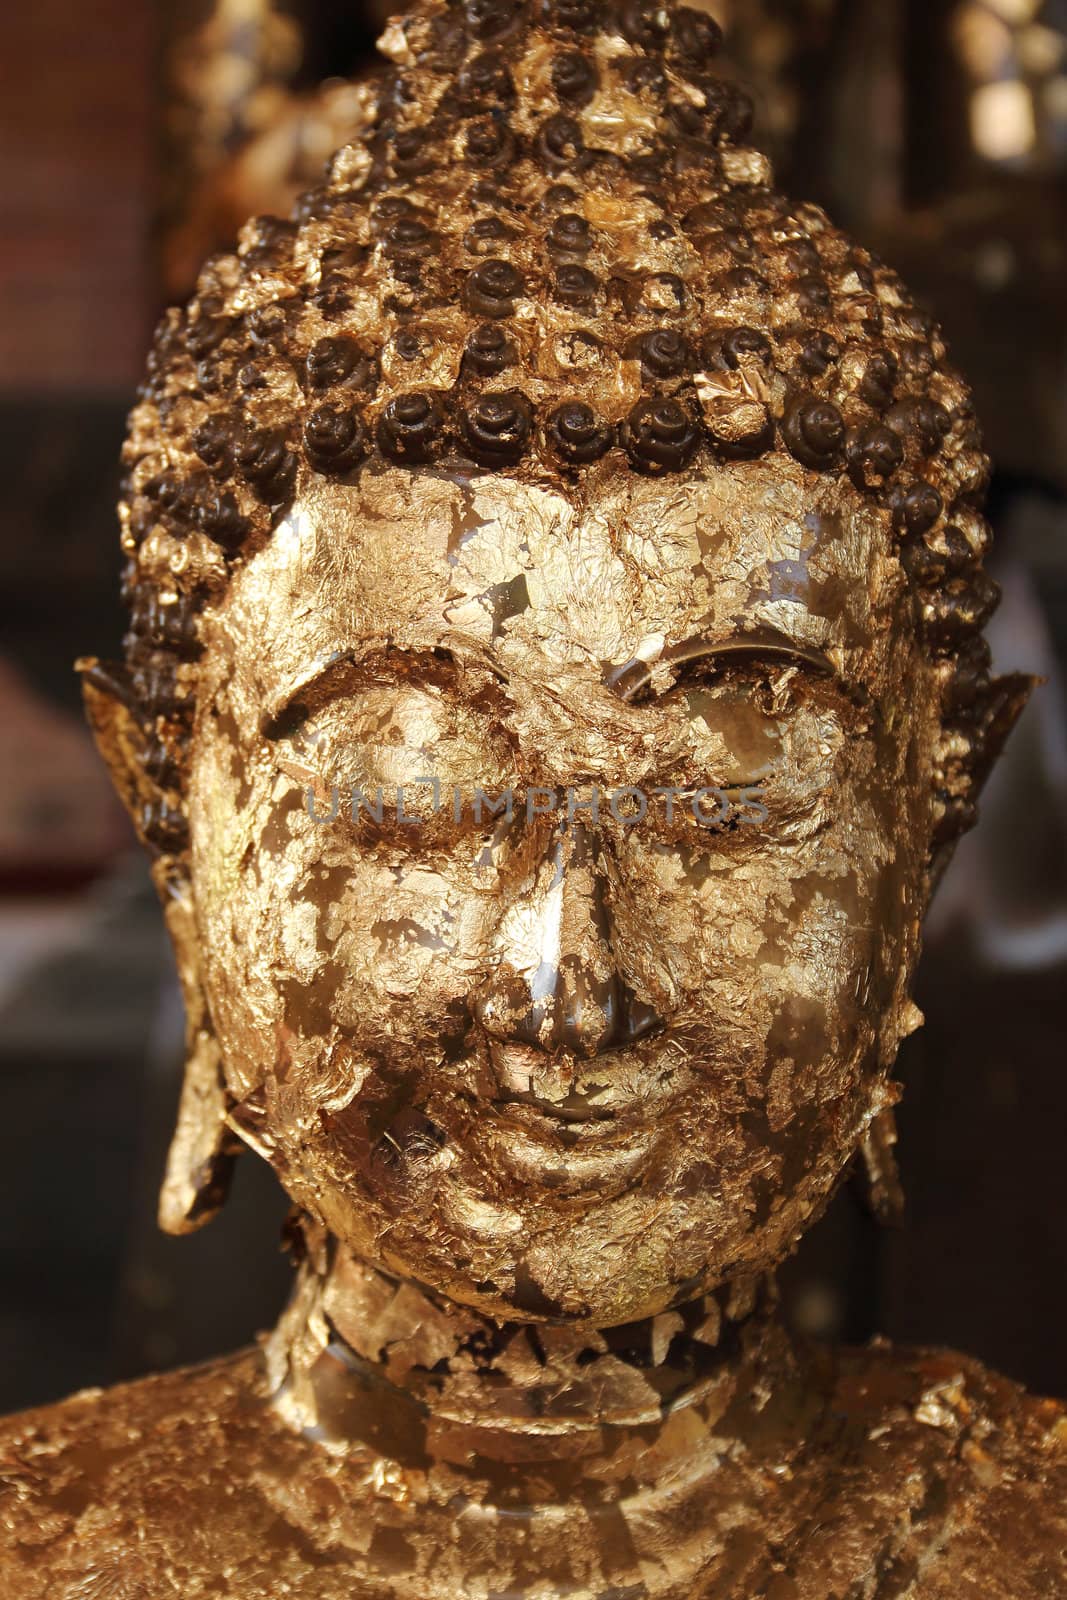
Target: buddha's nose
x: 557, y: 985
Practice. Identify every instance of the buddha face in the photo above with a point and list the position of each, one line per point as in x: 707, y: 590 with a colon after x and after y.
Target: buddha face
x: 592, y: 1052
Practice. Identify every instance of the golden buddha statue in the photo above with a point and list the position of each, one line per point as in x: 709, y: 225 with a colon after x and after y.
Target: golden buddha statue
x: 554, y: 686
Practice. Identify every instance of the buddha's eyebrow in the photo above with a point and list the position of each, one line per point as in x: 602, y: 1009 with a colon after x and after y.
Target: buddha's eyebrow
x: 287, y: 709
x: 629, y: 680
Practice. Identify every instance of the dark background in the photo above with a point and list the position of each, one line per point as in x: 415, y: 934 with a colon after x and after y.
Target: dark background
x: 133, y: 140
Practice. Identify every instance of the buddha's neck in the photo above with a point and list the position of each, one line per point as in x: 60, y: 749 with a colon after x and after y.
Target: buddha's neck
x: 363, y: 1361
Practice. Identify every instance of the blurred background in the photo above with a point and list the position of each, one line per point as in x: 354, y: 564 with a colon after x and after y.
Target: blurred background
x: 134, y: 139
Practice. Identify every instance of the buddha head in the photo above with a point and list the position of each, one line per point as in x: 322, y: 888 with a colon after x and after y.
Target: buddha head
x: 554, y: 680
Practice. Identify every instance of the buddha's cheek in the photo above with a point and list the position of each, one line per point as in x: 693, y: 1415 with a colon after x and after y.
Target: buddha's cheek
x: 825, y: 974
x: 323, y: 959
x: 389, y: 938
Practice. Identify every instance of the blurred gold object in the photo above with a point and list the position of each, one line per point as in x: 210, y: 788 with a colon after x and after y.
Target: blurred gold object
x: 239, y: 138
x: 553, y: 688
x: 980, y: 225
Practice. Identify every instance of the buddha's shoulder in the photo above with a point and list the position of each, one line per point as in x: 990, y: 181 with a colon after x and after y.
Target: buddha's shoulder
x: 150, y: 1490
x: 919, y: 1475
x: 940, y: 1478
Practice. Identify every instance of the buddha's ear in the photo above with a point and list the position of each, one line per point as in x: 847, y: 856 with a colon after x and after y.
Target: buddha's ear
x: 996, y: 709
x: 122, y: 742
x: 203, y: 1148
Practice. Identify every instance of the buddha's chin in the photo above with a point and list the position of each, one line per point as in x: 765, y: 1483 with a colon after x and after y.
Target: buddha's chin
x: 525, y: 1211
x: 612, y: 1250
x: 592, y: 1280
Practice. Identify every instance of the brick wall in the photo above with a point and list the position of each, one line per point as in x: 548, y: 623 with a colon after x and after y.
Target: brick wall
x: 76, y: 133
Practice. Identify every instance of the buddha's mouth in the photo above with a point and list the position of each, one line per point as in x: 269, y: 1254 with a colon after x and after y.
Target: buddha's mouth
x: 616, y: 1096
x: 578, y: 1153
x: 576, y: 1109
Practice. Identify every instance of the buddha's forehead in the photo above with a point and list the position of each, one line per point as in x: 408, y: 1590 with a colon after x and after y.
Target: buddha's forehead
x: 549, y: 580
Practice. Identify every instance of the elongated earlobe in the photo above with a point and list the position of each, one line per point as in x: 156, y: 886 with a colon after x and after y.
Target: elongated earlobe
x: 204, y: 1147
x: 203, y: 1150
x: 882, y: 1191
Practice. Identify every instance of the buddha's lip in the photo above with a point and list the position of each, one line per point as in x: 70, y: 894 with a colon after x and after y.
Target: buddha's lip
x: 573, y: 1111
x: 605, y: 1094
x: 544, y: 1152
